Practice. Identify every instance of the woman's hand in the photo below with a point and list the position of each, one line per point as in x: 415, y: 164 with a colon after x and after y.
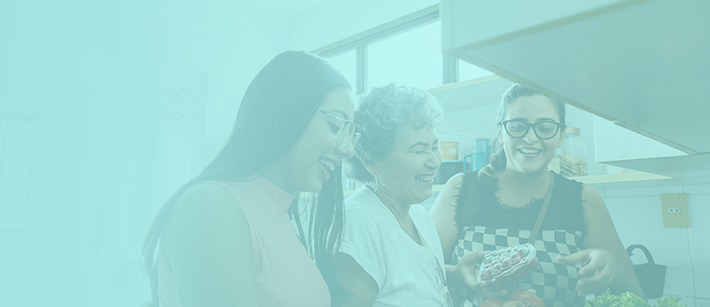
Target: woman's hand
x: 599, y: 270
x: 466, y: 270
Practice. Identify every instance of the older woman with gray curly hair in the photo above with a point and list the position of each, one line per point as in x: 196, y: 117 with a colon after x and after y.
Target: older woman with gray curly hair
x: 391, y: 254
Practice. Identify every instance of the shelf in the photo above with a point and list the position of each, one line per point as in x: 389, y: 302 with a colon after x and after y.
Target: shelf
x: 609, y: 178
x: 468, y: 94
x: 625, y: 177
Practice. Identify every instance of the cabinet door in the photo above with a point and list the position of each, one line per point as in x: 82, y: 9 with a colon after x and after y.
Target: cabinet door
x: 467, y: 23
x: 614, y: 143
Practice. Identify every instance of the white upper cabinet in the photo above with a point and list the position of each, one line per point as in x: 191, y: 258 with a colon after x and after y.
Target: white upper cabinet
x: 467, y: 23
x: 643, y: 64
x: 614, y: 143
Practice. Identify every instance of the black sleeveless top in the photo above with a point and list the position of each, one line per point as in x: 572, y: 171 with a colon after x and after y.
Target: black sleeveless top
x: 477, y: 204
x: 486, y: 224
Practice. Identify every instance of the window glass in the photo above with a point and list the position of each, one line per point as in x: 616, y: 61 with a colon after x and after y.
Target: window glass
x: 412, y: 58
x: 346, y: 63
x: 468, y: 71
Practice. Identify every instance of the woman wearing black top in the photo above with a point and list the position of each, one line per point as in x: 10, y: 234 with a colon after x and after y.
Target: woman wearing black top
x: 579, y: 251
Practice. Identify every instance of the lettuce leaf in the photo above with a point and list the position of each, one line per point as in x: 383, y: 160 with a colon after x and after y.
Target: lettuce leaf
x: 670, y: 301
x: 628, y: 299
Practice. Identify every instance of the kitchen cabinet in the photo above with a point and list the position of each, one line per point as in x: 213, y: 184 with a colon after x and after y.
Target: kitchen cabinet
x: 640, y: 64
x: 614, y: 143
x: 617, y: 146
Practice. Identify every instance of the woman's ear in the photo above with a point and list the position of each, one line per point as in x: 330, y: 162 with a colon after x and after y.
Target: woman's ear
x: 500, y: 133
x: 562, y: 138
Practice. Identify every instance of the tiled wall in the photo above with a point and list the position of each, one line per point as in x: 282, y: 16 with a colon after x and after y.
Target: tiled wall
x: 466, y: 126
x: 636, y: 212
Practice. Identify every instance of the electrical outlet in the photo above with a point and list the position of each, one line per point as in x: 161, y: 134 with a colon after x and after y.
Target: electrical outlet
x: 675, y: 210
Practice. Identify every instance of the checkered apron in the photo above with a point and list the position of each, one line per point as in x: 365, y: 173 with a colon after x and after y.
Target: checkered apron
x: 554, y: 282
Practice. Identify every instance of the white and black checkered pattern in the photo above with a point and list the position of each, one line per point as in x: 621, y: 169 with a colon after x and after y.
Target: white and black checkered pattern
x: 554, y: 282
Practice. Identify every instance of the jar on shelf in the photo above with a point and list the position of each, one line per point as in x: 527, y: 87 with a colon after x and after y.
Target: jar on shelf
x: 571, y: 156
x: 574, y: 143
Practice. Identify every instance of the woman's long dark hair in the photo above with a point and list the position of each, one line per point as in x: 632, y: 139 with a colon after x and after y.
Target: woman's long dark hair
x: 276, y: 108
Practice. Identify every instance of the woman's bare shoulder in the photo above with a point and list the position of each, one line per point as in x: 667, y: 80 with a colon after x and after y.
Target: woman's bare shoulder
x: 205, y: 211
x: 591, y: 199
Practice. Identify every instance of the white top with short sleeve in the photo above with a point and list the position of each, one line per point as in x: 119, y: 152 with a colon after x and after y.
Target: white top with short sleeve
x: 407, y: 274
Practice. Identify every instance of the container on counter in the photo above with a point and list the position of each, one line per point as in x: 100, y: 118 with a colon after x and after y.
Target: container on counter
x: 479, y: 154
x: 449, y: 150
x: 573, y: 143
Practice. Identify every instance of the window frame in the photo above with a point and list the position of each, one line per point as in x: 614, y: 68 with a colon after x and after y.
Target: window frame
x: 359, y: 42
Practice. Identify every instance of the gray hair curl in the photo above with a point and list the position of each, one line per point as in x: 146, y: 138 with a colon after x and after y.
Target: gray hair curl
x: 380, y: 118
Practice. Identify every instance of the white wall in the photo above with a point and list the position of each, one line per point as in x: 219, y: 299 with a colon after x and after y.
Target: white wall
x: 467, y: 125
x: 99, y: 93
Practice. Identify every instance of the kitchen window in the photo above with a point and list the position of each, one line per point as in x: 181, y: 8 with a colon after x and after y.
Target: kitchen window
x: 346, y: 63
x: 468, y: 71
x: 412, y: 58
x: 406, y: 50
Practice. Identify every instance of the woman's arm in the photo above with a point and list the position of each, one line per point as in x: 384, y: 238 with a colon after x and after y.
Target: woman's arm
x: 361, y: 287
x: 443, y: 214
x: 606, y: 264
x: 207, y: 245
x: 464, y: 275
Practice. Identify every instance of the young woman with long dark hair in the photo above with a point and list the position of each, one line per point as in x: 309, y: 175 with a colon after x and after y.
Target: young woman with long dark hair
x: 227, y: 237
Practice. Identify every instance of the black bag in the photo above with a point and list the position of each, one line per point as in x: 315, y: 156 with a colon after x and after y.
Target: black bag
x: 651, y: 276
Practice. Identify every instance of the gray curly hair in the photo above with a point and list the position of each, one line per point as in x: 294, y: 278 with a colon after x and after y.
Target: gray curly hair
x: 380, y: 118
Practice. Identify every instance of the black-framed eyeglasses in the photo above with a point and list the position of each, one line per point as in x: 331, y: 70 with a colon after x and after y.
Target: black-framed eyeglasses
x: 543, y: 130
x: 347, y: 133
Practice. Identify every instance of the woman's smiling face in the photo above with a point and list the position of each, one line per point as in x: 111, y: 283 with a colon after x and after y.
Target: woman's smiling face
x: 314, y: 157
x: 530, y: 153
x: 407, y: 173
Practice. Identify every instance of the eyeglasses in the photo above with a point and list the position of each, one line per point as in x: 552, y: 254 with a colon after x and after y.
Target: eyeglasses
x: 543, y: 130
x: 347, y: 133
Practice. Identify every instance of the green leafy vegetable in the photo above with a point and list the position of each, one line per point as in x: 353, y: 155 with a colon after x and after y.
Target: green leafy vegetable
x: 669, y: 301
x: 628, y: 299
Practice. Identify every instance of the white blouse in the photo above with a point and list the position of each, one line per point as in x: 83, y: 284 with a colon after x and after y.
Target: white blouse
x: 407, y: 274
